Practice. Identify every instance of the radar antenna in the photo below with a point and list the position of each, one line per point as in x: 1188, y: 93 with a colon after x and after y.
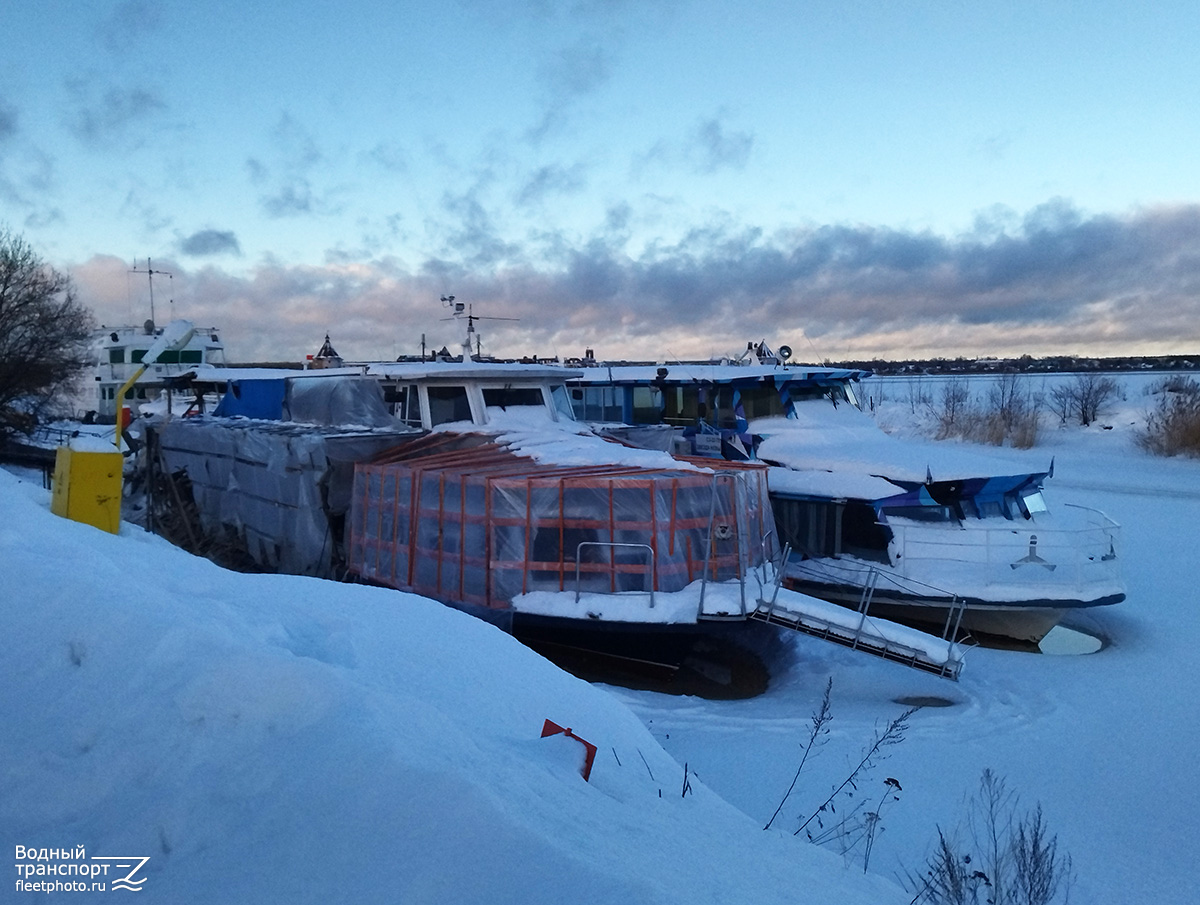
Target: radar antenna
x: 151, y: 273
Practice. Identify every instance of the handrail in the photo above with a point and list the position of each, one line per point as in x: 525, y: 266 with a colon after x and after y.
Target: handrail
x: 598, y: 543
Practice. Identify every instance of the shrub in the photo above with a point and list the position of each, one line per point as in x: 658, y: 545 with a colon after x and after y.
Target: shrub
x: 1173, y: 423
x: 1006, y: 858
x: 1010, y: 413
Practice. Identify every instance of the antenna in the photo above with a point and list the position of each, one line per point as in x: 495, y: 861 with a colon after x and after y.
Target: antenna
x: 151, y: 273
x: 460, y: 311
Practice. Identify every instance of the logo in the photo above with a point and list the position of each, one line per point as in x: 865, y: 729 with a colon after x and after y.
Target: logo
x: 129, y: 881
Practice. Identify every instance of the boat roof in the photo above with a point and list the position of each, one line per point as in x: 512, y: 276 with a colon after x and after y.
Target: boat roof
x: 224, y: 375
x: 469, y: 370
x: 677, y: 374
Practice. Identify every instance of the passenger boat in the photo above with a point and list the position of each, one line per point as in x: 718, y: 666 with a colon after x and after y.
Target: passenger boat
x: 118, y: 355
x: 479, y: 489
x: 867, y: 522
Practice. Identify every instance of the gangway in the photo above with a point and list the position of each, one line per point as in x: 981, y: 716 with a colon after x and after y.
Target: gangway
x: 861, y: 631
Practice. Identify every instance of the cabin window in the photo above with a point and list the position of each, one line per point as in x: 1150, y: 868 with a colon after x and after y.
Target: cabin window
x: 598, y: 403
x: 1033, y: 503
x: 562, y: 402
x: 190, y: 356
x: 448, y: 404
x: 404, y: 402
x: 511, y: 397
x: 116, y: 356
x: 761, y: 402
x: 823, y: 528
x: 137, y: 356
x: 992, y: 508
x: 920, y: 513
x: 647, y: 405
x: 837, y: 394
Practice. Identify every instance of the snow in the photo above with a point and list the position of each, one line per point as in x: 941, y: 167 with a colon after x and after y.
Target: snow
x: 91, y: 443
x: 266, y: 738
x: 1106, y: 742
x: 272, y: 738
x: 529, y: 431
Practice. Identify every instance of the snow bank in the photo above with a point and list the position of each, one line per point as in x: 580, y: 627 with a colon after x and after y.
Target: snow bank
x: 269, y: 738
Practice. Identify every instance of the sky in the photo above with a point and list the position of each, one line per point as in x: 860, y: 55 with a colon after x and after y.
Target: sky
x: 657, y: 179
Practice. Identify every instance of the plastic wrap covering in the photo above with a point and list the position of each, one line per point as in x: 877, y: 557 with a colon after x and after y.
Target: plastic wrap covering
x: 343, y: 401
x: 282, y: 490
x: 481, y: 525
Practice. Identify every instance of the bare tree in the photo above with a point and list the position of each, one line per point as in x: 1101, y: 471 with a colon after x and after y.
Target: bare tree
x: 1086, y: 397
x: 44, y: 335
x: 955, y: 406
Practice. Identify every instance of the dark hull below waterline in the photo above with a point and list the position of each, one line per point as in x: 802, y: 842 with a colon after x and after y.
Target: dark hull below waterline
x: 673, y: 659
x: 1025, y: 623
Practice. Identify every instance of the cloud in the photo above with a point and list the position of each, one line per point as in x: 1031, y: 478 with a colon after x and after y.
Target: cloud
x: 295, y: 144
x: 292, y: 199
x: 210, y: 242
x: 551, y: 179
x: 129, y: 25
x: 1056, y: 280
x: 287, y: 178
x: 391, y: 157
x: 112, y: 115
x: 570, y: 73
x: 716, y: 148
x: 8, y: 121
x: 709, y: 146
x: 475, y: 238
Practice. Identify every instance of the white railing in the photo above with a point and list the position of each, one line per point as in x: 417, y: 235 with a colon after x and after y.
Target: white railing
x: 1015, y: 553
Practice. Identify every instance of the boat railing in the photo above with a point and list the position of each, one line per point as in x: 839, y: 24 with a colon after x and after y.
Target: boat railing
x: 596, y: 543
x: 870, y: 578
x: 1013, y: 554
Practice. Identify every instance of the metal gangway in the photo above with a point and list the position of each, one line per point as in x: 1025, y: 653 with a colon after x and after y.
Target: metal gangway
x: 860, y: 631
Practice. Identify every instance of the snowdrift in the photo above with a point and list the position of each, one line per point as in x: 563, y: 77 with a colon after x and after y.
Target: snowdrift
x: 273, y: 738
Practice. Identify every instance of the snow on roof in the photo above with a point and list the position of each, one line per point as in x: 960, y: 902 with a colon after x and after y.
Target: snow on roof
x: 470, y: 370
x: 842, y: 440
x: 206, y: 374
x: 566, y: 443
x: 684, y: 373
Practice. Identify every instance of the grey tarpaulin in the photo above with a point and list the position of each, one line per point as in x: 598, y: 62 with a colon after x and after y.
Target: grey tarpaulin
x: 281, y: 488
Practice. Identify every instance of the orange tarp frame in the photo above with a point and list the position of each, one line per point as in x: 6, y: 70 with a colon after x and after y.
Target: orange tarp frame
x: 461, y: 518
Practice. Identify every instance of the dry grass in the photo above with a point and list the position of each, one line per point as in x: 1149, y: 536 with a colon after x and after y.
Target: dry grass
x: 1173, y: 423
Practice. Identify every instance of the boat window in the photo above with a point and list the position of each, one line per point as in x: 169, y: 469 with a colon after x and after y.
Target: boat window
x: 404, y: 402
x: 821, y: 528
x: 562, y: 403
x: 448, y: 404
x: 862, y: 534
x: 920, y: 513
x: 510, y: 397
x: 647, y: 405
x: 598, y: 403
x: 137, y: 356
x: 991, y: 508
x: 190, y: 356
x: 116, y: 356
x: 1034, y: 502
x: 680, y: 405
x: 837, y: 394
